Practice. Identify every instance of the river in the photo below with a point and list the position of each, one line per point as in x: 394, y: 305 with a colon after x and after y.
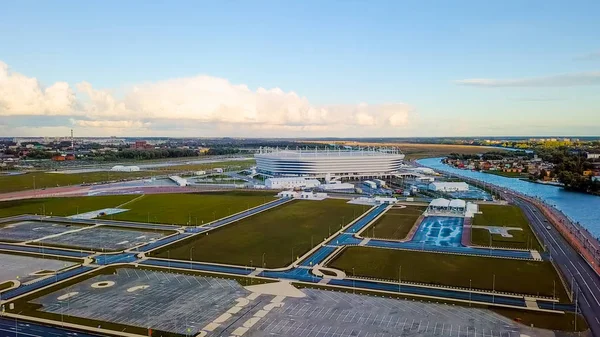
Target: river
x: 580, y: 207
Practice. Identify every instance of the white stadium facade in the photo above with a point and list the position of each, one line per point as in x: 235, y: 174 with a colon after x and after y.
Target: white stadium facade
x: 329, y: 164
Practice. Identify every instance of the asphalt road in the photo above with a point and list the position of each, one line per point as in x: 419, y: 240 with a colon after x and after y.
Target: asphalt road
x: 583, y: 280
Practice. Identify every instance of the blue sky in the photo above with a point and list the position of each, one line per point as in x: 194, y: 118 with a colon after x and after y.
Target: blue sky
x: 328, y: 68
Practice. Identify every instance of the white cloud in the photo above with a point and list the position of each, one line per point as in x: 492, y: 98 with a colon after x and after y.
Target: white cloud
x: 562, y: 80
x: 199, y: 99
x: 21, y: 95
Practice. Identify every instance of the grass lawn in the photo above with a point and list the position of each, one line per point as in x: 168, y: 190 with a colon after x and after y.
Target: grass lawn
x: 25, y: 181
x: 274, y: 233
x: 507, y: 174
x: 197, y: 207
x: 395, y: 223
x: 61, y: 206
x: 523, y: 277
x: 508, y: 216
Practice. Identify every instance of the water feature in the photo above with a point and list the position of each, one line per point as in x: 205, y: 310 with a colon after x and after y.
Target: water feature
x: 440, y: 231
x: 581, y: 207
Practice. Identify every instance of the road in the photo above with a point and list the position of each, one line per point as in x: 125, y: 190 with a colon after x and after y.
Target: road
x: 584, y: 282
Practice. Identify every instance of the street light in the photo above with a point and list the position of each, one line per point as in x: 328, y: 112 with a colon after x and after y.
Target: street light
x: 263, y: 260
x: 191, y: 250
x: 353, y: 282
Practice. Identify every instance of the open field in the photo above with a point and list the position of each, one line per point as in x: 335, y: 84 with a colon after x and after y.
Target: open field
x: 517, y: 276
x: 61, y: 206
x: 507, y: 174
x: 225, y: 165
x: 503, y: 216
x: 191, y: 208
x: 415, y: 151
x: 273, y: 233
x: 395, y: 223
x: 46, y: 180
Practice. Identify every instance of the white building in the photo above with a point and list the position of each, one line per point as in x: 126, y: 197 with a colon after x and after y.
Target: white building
x: 379, y: 182
x: 448, y: 186
x: 335, y: 164
x: 302, y: 195
x: 370, y: 184
x: 454, y: 207
x: 424, y: 170
x: 121, y: 168
x: 179, y: 181
x: 218, y: 170
x: 593, y: 155
x: 291, y: 182
x: 200, y: 173
x: 336, y: 186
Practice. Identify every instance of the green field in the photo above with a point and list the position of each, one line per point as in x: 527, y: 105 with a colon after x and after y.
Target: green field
x: 506, y: 216
x: 507, y: 174
x: 13, y: 183
x: 273, y: 233
x: 46, y: 180
x: 188, y: 208
x: 523, y: 277
x: 395, y: 223
x: 61, y: 206
x: 230, y: 165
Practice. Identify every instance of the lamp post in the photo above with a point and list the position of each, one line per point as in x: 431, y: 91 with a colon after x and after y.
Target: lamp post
x: 353, y: 282
x: 263, y: 260
x: 470, y: 292
x: 191, y: 250
x: 400, y: 279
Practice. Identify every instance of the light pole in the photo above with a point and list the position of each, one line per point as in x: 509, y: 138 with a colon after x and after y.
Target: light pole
x: 191, y: 250
x: 400, y: 279
x: 493, y: 288
x: 470, y: 292
x: 353, y: 282
x: 263, y: 260
x: 292, y: 255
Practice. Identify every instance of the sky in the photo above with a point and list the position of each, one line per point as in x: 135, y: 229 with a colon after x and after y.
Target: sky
x: 300, y: 68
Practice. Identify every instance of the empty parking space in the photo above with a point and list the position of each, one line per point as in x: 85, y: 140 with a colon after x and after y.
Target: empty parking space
x: 103, y: 238
x: 324, y: 313
x: 13, y: 267
x: 160, y: 301
x: 32, y: 230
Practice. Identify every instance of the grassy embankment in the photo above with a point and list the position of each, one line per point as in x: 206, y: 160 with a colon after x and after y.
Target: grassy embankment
x: 507, y: 174
x: 191, y: 208
x: 274, y: 233
x: 395, y: 224
x: 415, y: 151
x: 503, y: 216
x: 515, y: 276
x: 61, y: 206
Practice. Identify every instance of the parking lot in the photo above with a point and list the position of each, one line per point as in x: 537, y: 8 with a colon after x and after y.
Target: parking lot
x: 104, y: 238
x: 324, y: 313
x: 32, y: 230
x: 13, y: 266
x: 161, y: 301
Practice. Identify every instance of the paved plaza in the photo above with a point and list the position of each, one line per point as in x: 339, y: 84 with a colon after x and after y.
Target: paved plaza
x: 32, y: 230
x: 104, y: 238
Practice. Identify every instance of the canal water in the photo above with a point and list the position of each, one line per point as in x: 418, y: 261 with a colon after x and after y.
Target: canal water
x: 580, y: 207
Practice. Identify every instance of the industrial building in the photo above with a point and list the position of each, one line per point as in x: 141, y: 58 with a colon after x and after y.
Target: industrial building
x: 442, y: 186
x: 331, y: 164
x: 291, y: 182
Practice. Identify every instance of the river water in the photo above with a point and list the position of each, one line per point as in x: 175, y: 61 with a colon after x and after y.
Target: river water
x: 580, y: 207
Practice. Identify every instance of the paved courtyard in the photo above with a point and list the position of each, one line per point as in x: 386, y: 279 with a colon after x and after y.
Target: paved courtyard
x: 32, y: 230
x: 13, y: 266
x: 104, y: 238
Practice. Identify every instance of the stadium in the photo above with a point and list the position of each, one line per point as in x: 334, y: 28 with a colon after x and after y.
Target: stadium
x: 329, y: 164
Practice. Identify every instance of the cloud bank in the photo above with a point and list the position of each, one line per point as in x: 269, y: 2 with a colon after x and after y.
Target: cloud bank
x: 562, y: 80
x: 192, y: 101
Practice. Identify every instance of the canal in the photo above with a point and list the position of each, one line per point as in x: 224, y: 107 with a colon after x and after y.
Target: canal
x: 580, y: 207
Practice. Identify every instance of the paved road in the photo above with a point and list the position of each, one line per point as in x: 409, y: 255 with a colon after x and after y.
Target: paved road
x: 582, y: 278
x: 9, y: 327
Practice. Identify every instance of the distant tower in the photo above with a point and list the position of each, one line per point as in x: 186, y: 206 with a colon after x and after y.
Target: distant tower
x: 72, y: 142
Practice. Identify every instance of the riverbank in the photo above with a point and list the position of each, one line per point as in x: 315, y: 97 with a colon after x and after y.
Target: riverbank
x: 578, y: 208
